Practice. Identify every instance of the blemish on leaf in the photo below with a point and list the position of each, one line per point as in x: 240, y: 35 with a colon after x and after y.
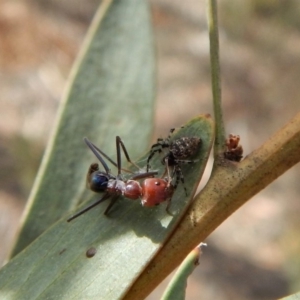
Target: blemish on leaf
x: 91, y: 252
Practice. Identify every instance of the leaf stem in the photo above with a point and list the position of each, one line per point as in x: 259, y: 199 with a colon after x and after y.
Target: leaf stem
x: 215, y: 78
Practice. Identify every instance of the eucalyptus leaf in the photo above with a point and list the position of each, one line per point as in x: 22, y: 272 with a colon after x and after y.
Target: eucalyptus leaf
x: 110, y: 92
x: 177, y: 286
x: 59, y: 264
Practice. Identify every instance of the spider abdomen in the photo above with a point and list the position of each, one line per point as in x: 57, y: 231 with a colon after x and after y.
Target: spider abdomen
x: 185, y: 147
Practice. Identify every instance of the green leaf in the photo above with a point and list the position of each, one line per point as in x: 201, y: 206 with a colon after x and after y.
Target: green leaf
x: 111, y: 92
x: 55, y: 265
x: 177, y: 286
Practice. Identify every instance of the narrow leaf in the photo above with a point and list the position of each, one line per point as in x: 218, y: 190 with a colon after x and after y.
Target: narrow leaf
x: 110, y: 93
x: 177, y: 286
x: 98, y: 257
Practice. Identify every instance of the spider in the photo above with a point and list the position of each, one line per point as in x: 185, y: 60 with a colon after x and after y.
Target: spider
x: 179, y: 152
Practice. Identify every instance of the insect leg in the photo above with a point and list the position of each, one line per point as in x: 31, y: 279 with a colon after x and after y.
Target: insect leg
x: 96, y: 151
x: 105, y: 196
x: 112, y: 202
x: 120, y: 145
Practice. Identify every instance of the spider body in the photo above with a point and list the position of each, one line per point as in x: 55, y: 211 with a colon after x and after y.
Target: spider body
x: 179, y: 151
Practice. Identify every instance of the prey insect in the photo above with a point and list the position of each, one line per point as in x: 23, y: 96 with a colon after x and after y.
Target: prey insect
x: 179, y: 151
x: 152, y: 191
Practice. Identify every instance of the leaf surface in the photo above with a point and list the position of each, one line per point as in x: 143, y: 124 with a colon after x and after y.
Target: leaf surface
x: 55, y: 265
x: 178, y: 284
x: 110, y: 92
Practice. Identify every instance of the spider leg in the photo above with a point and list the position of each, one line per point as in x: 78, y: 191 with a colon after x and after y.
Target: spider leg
x: 164, y: 173
x: 186, y: 161
x: 165, y: 143
x: 158, y: 144
x: 171, y: 132
x: 152, y: 152
x: 167, y: 170
x: 179, y: 176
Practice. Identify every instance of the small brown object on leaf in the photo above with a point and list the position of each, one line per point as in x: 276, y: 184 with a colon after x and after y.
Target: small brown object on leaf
x: 234, y: 151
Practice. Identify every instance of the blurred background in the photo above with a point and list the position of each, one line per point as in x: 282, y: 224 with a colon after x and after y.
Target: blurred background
x: 255, y: 253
